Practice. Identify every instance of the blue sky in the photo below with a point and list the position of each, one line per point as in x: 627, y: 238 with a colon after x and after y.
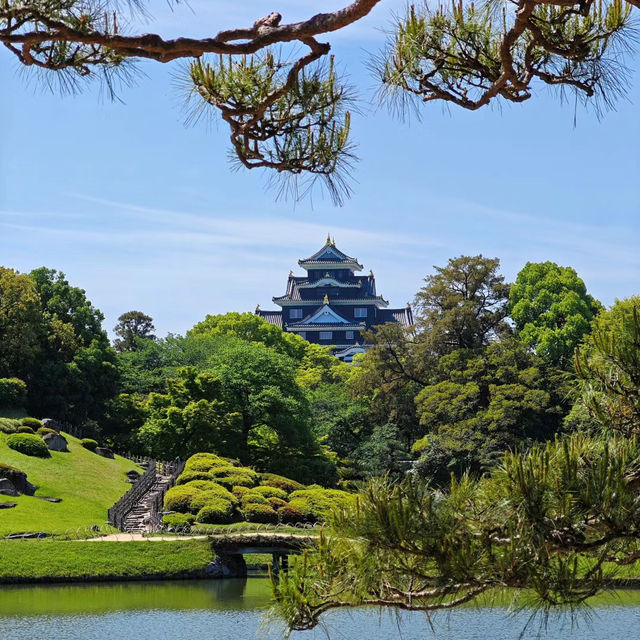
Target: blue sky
x: 145, y: 213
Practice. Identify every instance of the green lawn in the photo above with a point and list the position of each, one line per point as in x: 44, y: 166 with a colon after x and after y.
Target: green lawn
x: 87, y: 483
x: 31, y: 560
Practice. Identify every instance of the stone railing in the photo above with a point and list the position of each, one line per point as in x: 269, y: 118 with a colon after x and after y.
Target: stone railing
x: 120, y: 509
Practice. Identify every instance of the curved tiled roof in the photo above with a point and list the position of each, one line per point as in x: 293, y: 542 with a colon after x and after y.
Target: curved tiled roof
x: 272, y: 317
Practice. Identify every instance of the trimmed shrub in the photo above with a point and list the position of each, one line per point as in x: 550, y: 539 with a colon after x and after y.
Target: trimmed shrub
x: 263, y: 513
x: 288, y: 514
x: 280, y: 482
x: 238, y: 492
x: 236, y: 479
x: 210, y: 485
x: 13, y: 393
x: 271, y: 492
x: 29, y: 444
x: 23, y: 428
x: 179, y: 498
x: 8, y: 425
x: 34, y: 423
x: 179, y: 520
x: 276, y: 503
x: 204, y: 498
x: 203, y: 462
x: 89, y: 444
x: 315, y: 503
x: 253, y: 498
x: 190, y: 476
x: 42, y: 431
x: 218, y: 511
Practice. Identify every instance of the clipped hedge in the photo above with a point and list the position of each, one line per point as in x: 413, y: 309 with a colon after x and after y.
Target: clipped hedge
x: 261, y: 513
x: 203, y: 462
x: 89, y: 444
x: 29, y: 444
x: 179, y: 498
x: 238, y: 492
x: 253, y: 498
x: 270, y: 492
x: 13, y: 393
x: 23, y: 428
x: 236, y: 480
x: 34, y: 423
x: 276, y: 503
x: 9, y: 425
x: 42, y: 431
x: 280, y: 482
x: 190, y: 476
x: 289, y: 514
x: 218, y: 511
x: 179, y: 520
x: 204, y: 498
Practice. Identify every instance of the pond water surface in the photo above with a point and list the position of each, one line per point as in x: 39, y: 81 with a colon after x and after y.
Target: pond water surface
x: 235, y: 610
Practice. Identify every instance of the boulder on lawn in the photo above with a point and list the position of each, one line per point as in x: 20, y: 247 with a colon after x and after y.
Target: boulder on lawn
x: 104, y: 452
x: 55, y: 442
x: 51, y: 423
x: 133, y: 474
x: 8, y: 505
x: 7, y: 488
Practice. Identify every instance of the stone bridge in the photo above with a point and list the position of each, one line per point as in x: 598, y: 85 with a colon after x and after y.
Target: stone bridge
x: 231, y: 547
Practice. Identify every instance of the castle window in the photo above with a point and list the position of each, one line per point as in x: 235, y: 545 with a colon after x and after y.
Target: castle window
x: 360, y: 312
x: 348, y: 335
x: 302, y: 334
x: 326, y: 335
x: 295, y: 314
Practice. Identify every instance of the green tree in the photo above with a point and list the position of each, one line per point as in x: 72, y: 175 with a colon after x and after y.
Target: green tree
x: 21, y: 324
x: 483, y: 402
x: 608, y: 367
x: 274, y: 85
x: 551, y: 310
x: 190, y: 417
x: 132, y: 327
x: 76, y: 372
x: 252, y: 328
x: 463, y: 305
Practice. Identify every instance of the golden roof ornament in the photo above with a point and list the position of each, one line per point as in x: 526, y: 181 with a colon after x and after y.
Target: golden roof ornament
x: 371, y: 272
x: 326, y: 299
x: 328, y: 239
x: 327, y: 275
x: 291, y: 274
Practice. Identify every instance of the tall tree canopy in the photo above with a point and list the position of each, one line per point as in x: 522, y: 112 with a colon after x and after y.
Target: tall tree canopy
x: 552, y: 310
x: 286, y: 108
x: 132, y: 327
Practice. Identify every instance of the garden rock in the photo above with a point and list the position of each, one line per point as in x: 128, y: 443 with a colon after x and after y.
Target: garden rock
x: 55, y: 442
x: 27, y: 536
x: 133, y: 474
x: 7, y: 488
x: 104, y: 452
x: 50, y: 423
x: 49, y: 499
x: 8, y: 505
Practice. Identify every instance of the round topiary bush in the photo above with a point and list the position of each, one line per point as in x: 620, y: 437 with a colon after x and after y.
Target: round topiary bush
x: 271, y: 492
x: 203, y: 462
x: 238, y: 491
x: 236, y: 480
x: 180, y: 521
x: 203, y: 498
x: 42, y: 431
x: 179, y: 498
x: 34, y: 423
x: 89, y: 444
x: 8, y: 425
x: 218, y: 511
x: 288, y: 514
x: 253, y: 498
x: 190, y: 476
x: 276, y: 503
x: 262, y: 513
x: 280, y: 482
x: 29, y: 444
x: 23, y: 428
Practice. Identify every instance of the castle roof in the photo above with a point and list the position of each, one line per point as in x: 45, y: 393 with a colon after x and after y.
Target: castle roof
x: 330, y: 255
x: 325, y: 316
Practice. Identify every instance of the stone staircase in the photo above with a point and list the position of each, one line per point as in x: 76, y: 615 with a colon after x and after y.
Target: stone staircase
x: 143, y: 518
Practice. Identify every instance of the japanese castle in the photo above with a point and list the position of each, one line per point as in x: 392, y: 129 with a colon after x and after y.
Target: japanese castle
x: 332, y: 305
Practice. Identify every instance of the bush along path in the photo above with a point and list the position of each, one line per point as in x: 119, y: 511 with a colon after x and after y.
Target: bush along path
x: 138, y: 511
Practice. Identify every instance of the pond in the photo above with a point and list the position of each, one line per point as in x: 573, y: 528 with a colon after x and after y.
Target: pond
x: 235, y: 610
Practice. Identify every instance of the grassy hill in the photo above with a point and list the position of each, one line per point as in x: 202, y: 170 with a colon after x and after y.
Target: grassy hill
x: 87, y: 483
